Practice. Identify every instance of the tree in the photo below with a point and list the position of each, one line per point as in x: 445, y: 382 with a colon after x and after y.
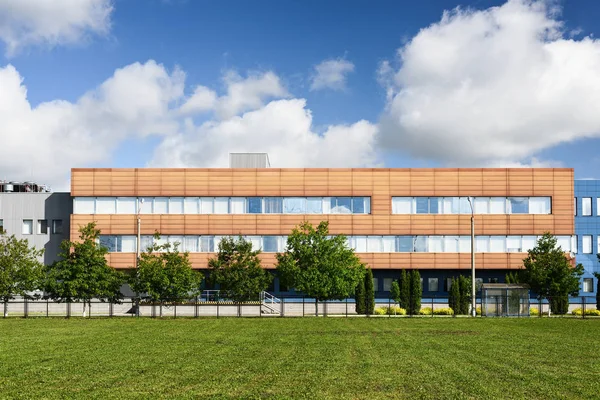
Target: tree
x: 395, y: 292
x: 238, y: 271
x: 323, y: 267
x: 454, y: 296
x: 550, y: 274
x: 597, y: 275
x: 360, y: 297
x: 83, y: 273
x: 404, y: 283
x: 369, y: 293
x: 464, y: 288
x: 20, y: 269
x: 416, y: 292
x: 165, y: 274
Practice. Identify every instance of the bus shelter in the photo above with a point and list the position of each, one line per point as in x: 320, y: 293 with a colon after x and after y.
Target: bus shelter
x: 504, y: 300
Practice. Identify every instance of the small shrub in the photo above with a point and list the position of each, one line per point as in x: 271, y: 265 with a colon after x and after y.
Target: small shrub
x: 425, y: 311
x: 478, y: 310
x: 443, y: 311
x: 392, y: 310
x: 578, y: 312
x: 380, y: 311
x: 534, y: 312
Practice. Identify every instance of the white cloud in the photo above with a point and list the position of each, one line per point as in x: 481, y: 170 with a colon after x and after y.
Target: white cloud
x: 45, y: 141
x: 331, y: 74
x: 51, y: 22
x: 283, y: 128
x: 203, y: 99
x: 492, y: 87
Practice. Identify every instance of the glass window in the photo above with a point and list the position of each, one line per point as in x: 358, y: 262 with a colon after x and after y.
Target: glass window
x: 27, y: 228
x: 402, y: 205
x: 464, y: 244
x: 254, y: 205
x: 128, y: 244
x: 161, y: 241
x: 360, y: 244
x: 497, y: 205
x: 326, y: 205
x: 106, y: 205
x: 176, y: 205
x: 518, y: 205
x: 147, y: 241
x: 539, y: 205
x: 433, y: 284
x: 190, y: 243
x: 192, y: 205
x: 435, y: 205
x: 450, y: 205
x: 42, y: 227
x: 586, y: 244
x: 588, y: 285
x: 465, y: 206
x: 482, y: 205
x: 359, y: 205
x: 207, y: 205
x: 422, y: 204
x: 405, y: 244
x: 207, y: 244
x: 175, y: 241
x: 586, y: 206
x: 314, y: 205
x: 564, y: 242
x: 529, y: 242
x: 126, y: 205
x: 341, y: 205
x: 109, y: 242
x: 389, y: 244
x: 221, y: 205
x: 273, y: 205
x: 84, y: 205
x: 497, y: 244
x: 270, y: 244
x: 237, y: 205
x: 57, y: 226
x: 374, y: 244
x: 256, y: 242
x: 513, y: 244
x: 294, y: 205
x: 436, y: 244
x: 482, y: 244
x: 574, y: 244
x: 387, y: 284
x: 161, y: 205
x: 146, y: 205
x: 420, y: 244
x: 451, y: 244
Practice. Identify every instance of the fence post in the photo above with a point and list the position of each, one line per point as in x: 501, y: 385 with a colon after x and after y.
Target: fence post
x: 110, y: 309
x: 389, y: 304
x: 303, y: 305
x: 25, y: 307
x: 69, y: 310
x: 282, y: 311
x: 217, y: 306
x: 346, y: 307
x: 431, y: 306
x: 196, y: 307
x: 47, y: 308
x: 583, y: 307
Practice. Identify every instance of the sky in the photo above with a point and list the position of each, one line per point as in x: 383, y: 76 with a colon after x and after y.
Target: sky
x: 338, y: 83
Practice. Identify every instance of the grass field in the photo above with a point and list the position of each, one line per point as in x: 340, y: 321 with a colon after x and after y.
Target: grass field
x: 311, y: 358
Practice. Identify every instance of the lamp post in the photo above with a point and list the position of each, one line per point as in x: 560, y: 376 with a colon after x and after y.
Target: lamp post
x: 473, y: 301
x: 138, y: 252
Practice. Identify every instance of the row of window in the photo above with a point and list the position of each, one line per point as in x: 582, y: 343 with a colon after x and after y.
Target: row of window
x: 222, y: 205
x: 586, y: 206
x: 361, y: 244
x: 41, y: 226
x: 466, y: 205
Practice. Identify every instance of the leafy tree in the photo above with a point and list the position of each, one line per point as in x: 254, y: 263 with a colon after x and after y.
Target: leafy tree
x: 464, y: 287
x: 238, y: 271
x: 416, y: 292
x: 323, y: 267
x: 369, y: 293
x: 550, y: 275
x: 83, y: 273
x: 513, y: 277
x: 404, y: 283
x: 454, y: 296
x: 360, y: 297
x: 165, y: 274
x: 20, y: 269
x: 395, y: 292
x: 597, y: 275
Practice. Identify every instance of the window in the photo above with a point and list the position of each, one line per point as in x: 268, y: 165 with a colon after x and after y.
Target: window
x: 109, y: 242
x: 106, y: 205
x: 586, y: 244
x: 221, y: 205
x: 529, y: 242
x: 84, y: 205
x: 404, y: 244
x: 42, y: 227
x: 161, y: 205
x: 147, y: 241
x: 497, y: 205
x: 464, y: 244
x: 176, y: 205
x: 574, y: 244
x: 420, y: 243
x: 389, y: 244
x: 27, y: 228
x: 387, y: 284
x: 402, y: 205
x: 360, y: 244
x: 128, y: 244
x: 433, y: 284
x: 435, y: 205
x: 126, y: 205
x: 206, y: 205
x: 586, y: 206
x: 374, y: 244
x: 146, y: 205
x: 190, y: 243
x: 518, y: 205
x: 513, y: 244
x: 497, y: 244
x: 237, y: 205
x: 422, y: 205
x: 207, y: 244
x: 482, y: 205
x: 563, y: 241
x: 451, y: 205
x: 57, y: 226
x: 314, y: 205
x: 540, y: 205
x: 270, y: 244
x: 361, y: 205
x: 448, y: 284
x: 294, y: 205
x: 436, y: 244
x: 191, y: 205
x: 254, y: 205
x: 465, y: 205
x: 273, y: 205
x: 341, y: 205
x: 588, y: 285
x: 375, y: 284
x: 482, y: 244
x: 451, y: 244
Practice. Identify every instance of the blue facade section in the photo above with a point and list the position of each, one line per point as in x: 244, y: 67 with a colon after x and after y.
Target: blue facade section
x: 587, y: 225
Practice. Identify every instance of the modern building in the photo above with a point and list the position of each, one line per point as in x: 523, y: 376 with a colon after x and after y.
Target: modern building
x: 32, y: 212
x: 587, y: 230
x: 394, y: 218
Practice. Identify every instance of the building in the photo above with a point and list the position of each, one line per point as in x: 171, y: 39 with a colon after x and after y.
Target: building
x: 587, y: 230
x: 394, y: 218
x: 32, y: 212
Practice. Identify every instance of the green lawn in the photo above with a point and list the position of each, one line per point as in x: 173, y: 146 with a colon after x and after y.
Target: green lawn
x: 311, y: 358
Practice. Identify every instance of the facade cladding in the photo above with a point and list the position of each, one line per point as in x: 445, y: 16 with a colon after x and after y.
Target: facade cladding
x: 394, y: 218
x: 587, y: 230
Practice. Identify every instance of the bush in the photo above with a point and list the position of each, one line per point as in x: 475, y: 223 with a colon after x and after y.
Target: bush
x: 425, y: 311
x: 478, y: 310
x: 392, y: 310
x: 578, y: 311
x: 534, y: 311
x: 380, y: 311
x: 443, y: 311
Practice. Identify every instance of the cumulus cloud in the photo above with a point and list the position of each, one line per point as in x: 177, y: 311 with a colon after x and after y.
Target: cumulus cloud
x: 331, y: 74
x: 491, y: 87
x: 53, y: 22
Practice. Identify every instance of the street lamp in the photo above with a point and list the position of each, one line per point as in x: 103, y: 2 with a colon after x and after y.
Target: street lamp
x: 473, y: 301
x: 138, y: 252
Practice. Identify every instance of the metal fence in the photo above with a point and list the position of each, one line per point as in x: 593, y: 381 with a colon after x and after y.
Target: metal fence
x: 212, y: 306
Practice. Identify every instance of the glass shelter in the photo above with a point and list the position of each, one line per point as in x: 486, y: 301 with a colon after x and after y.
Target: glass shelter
x: 504, y: 300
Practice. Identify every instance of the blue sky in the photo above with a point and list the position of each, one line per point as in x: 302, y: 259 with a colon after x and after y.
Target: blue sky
x: 430, y: 107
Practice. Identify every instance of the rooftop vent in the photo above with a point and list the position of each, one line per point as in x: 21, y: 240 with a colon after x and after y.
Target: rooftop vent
x: 249, y: 160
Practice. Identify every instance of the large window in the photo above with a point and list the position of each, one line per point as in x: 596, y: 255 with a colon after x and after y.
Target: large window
x: 586, y: 244
x: 461, y: 205
x: 27, y: 227
x: 387, y: 284
x: 42, y: 227
x: 586, y: 206
x: 588, y: 285
x: 57, y: 226
x: 433, y: 284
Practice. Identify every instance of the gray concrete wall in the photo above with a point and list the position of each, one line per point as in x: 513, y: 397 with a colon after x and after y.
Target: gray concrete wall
x: 16, y: 207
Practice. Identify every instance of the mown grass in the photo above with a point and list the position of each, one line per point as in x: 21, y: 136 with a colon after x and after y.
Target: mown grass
x: 309, y: 358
